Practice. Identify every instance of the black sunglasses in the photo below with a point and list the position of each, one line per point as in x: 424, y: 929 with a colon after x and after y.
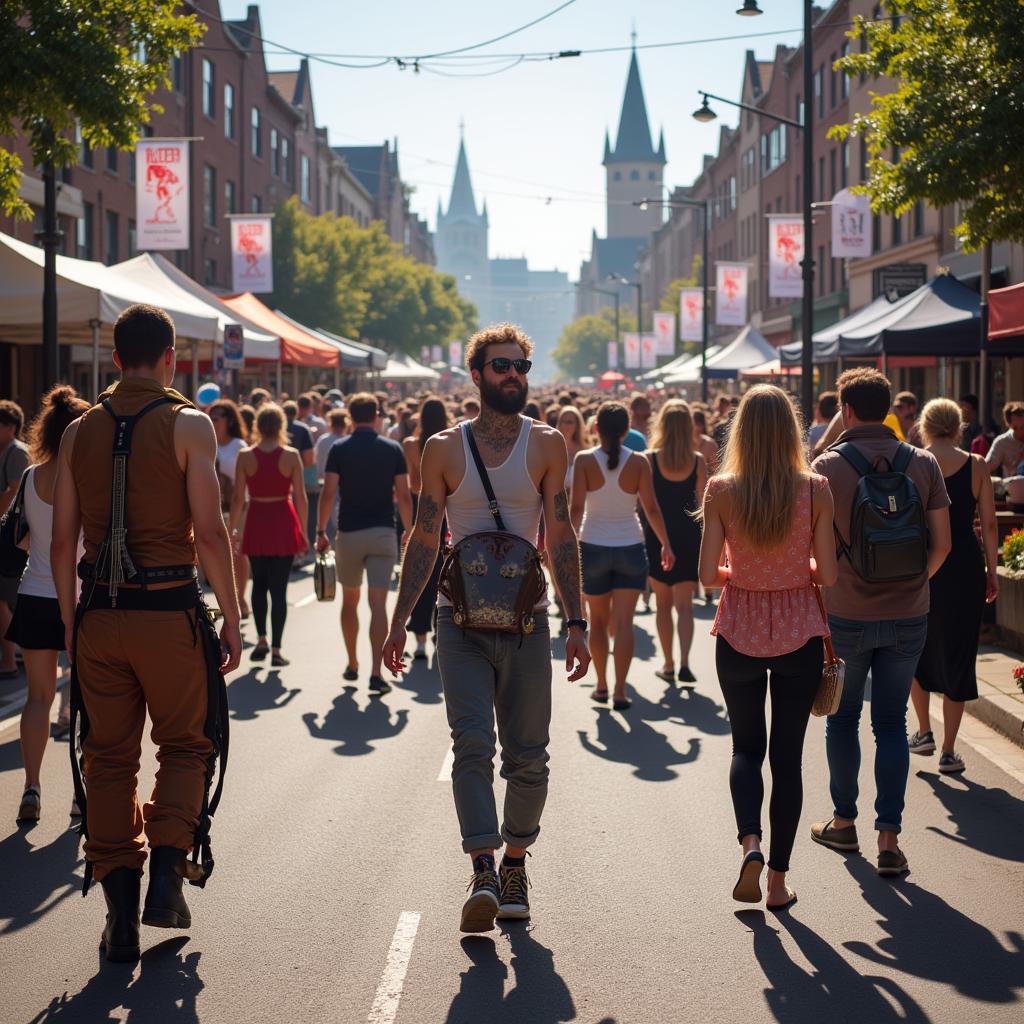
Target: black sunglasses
x: 501, y: 364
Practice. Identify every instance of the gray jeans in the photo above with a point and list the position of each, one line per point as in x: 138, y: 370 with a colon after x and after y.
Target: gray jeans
x: 490, y: 676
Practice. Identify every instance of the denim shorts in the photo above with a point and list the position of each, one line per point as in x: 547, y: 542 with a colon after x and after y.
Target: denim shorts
x: 613, y: 568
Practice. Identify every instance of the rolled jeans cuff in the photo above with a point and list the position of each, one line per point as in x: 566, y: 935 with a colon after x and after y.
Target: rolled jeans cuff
x: 520, y: 842
x: 484, y: 842
x: 881, y: 826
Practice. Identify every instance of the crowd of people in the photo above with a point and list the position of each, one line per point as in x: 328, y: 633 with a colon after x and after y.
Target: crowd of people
x: 618, y: 499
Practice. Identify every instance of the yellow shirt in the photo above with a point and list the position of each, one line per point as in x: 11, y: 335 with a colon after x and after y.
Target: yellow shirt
x: 893, y: 423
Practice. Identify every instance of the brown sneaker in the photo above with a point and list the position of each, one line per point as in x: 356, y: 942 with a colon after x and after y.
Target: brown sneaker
x: 892, y: 862
x: 842, y: 839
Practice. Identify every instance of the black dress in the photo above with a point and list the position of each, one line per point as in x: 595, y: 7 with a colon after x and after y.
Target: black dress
x: 676, y: 499
x: 947, y: 662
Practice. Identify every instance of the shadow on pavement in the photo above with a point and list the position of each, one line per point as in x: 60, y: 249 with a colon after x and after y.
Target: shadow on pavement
x: 10, y: 756
x: 353, y: 727
x: 539, y: 995
x: 165, y: 989
x: 648, y: 750
x: 832, y: 989
x: 932, y: 940
x: 423, y: 680
x: 248, y: 695
x: 987, y: 819
x: 36, y: 878
x: 692, y: 708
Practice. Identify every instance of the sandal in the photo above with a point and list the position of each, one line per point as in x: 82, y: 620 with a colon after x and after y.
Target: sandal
x: 259, y: 652
x: 350, y: 674
x: 748, y: 887
x: 599, y: 696
x: 622, y: 705
x: 668, y: 675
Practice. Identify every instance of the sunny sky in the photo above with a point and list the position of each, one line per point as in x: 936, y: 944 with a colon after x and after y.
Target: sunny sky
x: 534, y: 132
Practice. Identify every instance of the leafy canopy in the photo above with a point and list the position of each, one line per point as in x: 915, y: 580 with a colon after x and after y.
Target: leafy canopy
x: 952, y: 129
x: 582, y: 348
x: 98, y: 61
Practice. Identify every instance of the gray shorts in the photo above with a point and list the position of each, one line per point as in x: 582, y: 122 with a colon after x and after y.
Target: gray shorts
x: 374, y: 549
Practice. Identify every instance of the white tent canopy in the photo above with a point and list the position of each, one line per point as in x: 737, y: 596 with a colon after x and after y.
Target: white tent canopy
x: 403, y: 368
x: 748, y: 349
x: 689, y: 367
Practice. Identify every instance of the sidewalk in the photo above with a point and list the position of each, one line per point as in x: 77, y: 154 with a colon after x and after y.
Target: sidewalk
x: 1000, y: 703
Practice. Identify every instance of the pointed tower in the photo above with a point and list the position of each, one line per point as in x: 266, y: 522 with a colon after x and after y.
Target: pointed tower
x: 634, y: 169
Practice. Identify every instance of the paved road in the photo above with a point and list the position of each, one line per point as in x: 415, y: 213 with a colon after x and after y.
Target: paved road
x: 339, y: 878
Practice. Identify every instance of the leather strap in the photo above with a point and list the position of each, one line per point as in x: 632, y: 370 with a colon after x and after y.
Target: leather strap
x: 492, y: 502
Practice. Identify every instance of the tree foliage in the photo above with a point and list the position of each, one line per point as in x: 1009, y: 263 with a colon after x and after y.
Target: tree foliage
x: 330, y: 272
x: 582, y: 348
x: 952, y: 129
x: 97, y: 61
x: 670, y: 299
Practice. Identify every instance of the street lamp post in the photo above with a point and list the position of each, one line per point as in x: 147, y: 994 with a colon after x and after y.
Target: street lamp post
x: 639, y: 297
x: 615, y: 297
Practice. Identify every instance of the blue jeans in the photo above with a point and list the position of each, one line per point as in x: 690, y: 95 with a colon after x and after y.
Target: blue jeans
x: 889, y: 650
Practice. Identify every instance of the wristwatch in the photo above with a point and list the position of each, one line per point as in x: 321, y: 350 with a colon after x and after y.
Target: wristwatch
x: 582, y: 623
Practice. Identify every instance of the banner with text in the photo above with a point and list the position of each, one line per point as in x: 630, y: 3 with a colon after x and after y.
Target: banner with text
x: 851, y: 225
x: 234, y: 347
x: 691, y: 314
x: 731, y: 294
x: 252, y: 255
x: 631, y: 351
x: 648, y: 351
x: 665, y: 332
x: 785, y: 251
x: 454, y: 353
x: 161, y: 194
x: 613, y: 355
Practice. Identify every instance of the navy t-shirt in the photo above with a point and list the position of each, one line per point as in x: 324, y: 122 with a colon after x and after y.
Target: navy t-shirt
x: 367, y: 465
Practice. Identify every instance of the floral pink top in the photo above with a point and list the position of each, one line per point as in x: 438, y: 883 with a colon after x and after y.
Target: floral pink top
x: 768, y: 607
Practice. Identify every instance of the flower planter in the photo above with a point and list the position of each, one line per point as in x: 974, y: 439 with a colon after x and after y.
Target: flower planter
x: 1010, y: 611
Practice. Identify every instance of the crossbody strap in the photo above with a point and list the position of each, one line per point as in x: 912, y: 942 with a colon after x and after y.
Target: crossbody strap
x: 492, y: 501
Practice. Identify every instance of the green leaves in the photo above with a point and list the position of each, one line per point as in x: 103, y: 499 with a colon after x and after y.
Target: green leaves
x: 582, y: 348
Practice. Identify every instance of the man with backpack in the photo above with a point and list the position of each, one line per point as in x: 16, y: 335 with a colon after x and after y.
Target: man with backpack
x: 892, y: 534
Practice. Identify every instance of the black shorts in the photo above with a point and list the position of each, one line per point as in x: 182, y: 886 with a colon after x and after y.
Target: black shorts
x: 36, y: 625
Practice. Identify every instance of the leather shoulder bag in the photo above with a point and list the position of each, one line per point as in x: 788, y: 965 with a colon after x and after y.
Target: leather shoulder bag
x: 493, y: 579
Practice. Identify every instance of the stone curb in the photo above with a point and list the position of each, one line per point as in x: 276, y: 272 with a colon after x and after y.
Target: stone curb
x: 1002, y: 713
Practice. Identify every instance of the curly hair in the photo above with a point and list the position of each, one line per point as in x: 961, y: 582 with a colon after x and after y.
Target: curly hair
x: 496, y: 334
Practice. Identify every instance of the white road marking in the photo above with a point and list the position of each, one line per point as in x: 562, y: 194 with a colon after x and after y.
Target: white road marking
x: 308, y: 599
x: 389, y: 991
x: 445, y: 774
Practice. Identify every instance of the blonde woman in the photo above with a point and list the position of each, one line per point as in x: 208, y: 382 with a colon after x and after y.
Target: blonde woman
x: 773, y: 518
x: 573, y: 429
x: 959, y: 590
x: 680, y: 475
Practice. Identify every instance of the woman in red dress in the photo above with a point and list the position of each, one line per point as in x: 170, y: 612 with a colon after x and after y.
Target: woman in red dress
x: 271, y: 473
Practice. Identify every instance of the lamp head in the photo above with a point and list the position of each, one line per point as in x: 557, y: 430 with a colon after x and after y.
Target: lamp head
x: 749, y: 9
x: 704, y: 113
x: 643, y: 204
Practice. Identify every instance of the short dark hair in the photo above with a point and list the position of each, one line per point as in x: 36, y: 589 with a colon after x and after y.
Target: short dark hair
x: 142, y: 334
x: 866, y: 391
x: 11, y: 415
x: 337, y: 418
x: 971, y: 400
x: 363, y: 408
x: 1012, y: 409
x: 905, y: 398
x: 290, y: 409
x: 828, y: 404
x: 305, y: 402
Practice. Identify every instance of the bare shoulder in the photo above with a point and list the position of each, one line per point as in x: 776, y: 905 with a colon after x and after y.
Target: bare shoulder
x: 719, y: 487
x: 67, y: 440
x: 410, y: 444
x: 194, y: 427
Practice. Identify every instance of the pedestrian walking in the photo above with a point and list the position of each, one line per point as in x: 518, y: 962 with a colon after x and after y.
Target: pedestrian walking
x: 1007, y: 451
x: 232, y: 438
x: 270, y: 474
x: 607, y: 482
x: 308, y: 406
x: 337, y: 427
x: 824, y: 413
x: 37, y: 627
x: 959, y: 590
x: 499, y: 667
x: 431, y: 419
x: 136, y: 475
x: 702, y: 442
x: 878, y: 608
x: 300, y: 437
x: 14, y: 460
x: 773, y: 518
x: 639, y: 423
x: 370, y: 474
x: 679, y: 475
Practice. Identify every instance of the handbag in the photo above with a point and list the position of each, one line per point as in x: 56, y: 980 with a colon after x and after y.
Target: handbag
x: 325, y: 576
x: 833, y: 672
x: 13, y: 531
x: 493, y: 579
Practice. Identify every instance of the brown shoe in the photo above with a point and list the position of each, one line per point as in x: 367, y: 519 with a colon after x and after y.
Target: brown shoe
x: 892, y: 863
x: 842, y: 839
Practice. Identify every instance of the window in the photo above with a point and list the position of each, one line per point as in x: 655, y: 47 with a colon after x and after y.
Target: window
x: 821, y: 270
x: 229, y: 110
x: 209, y: 271
x: 634, y: 175
x: 83, y: 233
x: 732, y: 193
x: 133, y: 239
x: 112, y: 159
x: 844, y: 78
x: 832, y: 172
x: 833, y: 81
x: 918, y: 217
x: 229, y: 197
x: 275, y: 153
x: 652, y: 175
x: 773, y: 149
x: 177, y: 75
x: 304, y: 183
x: 819, y: 91
x: 617, y: 176
x: 844, y: 164
x: 876, y: 232
x: 821, y: 178
x: 111, y: 237
x: 799, y: 109
x: 863, y: 158
x: 256, y: 204
x: 897, y: 231
x: 256, y: 136
x: 286, y: 160
x: 209, y: 196
x: 208, y: 97
x: 84, y: 149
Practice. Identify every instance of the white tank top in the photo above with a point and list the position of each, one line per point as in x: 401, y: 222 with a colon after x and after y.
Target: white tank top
x: 38, y: 578
x: 609, y: 515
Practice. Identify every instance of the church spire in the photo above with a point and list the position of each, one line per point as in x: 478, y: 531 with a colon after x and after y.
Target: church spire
x: 633, y: 143
x: 462, y: 202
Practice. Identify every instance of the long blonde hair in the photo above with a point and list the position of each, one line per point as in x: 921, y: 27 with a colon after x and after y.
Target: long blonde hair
x: 582, y: 437
x: 765, y: 459
x: 672, y: 436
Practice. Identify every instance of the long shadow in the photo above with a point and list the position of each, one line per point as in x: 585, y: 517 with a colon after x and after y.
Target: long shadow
x: 930, y: 939
x: 539, y: 995
x: 248, y: 695
x: 690, y: 707
x: 644, y: 646
x: 35, y: 879
x: 166, y: 990
x: 653, y: 757
x: 354, y: 728
x: 10, y: 755
x: 987, y: 819
x: 798, y: 996
x: 423, y: 681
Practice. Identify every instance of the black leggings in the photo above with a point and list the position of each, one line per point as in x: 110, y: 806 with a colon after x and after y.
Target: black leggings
x: 270, y: 574
x: 794, y: 682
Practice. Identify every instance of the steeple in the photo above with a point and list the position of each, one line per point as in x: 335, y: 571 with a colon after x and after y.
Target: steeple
x: 633, y: 142
x: 462, y: 202
x: 607, y: 148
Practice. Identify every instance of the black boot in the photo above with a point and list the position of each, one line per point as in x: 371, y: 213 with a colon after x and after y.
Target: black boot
x: 120, y: 938
x: 165, y: 905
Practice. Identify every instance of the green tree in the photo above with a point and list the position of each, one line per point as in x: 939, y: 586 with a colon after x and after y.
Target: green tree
x: 952, y: 130
x: 97, y: 61
x: 582, y: 348
x: 670, y: 299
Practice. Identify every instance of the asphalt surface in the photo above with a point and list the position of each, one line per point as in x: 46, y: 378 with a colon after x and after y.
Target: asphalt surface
x: 339, y: 876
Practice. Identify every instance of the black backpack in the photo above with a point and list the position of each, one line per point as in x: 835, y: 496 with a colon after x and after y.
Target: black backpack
x: 888, y: 524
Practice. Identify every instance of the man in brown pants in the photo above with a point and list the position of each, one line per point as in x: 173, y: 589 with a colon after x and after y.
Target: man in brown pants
x: 137, y: 475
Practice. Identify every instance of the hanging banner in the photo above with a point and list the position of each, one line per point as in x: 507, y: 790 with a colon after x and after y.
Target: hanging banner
x: 252, y: 256
x: 731, y: 294
x: 424, y: 353
x: 665, y: 332
x: 785, y: 251
x: 631, y: 351
x: 436, y: 354
x: 691, y: 314
x: 161, y: 194
x: 613, y: 355
x: 234, y: 347
x: 851, y: 225
x: 455, y: 353
x: 648, y: 351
